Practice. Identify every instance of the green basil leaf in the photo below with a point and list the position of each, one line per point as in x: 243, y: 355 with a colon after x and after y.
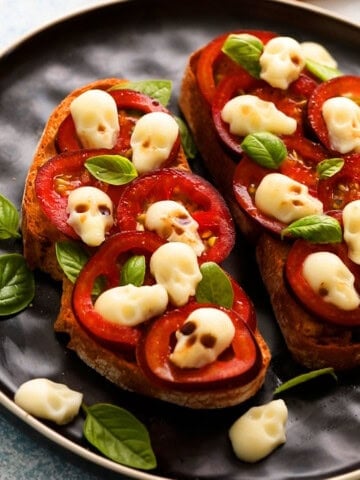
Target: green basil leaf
x: 71, y: 258
x: 316, y: 229
x: 133, y: 271
x: 187, y: 140
x: 215, y: 286
x: 9, y: 219
x: 158, y: 89
x: 329, y: 167
x: 112, y: 169
x: 245, y: 50
x: 305, y: 377
x: 265, y: 148
x: 322, y: 72
x: 17, y: 284
x: 119, y: 436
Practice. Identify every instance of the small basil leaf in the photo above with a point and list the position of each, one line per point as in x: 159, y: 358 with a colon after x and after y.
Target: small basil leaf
x: 158, y: 89
x: 215, y: 286
x: 245, y: 50
x: 9, y: 219
x: 133, y: 271
x: 112, y: 169
x: 187, y: 140
x: 71, y: 258
x: 265, y: 148
x: 305, y: 377
x: 17, y: 284
x: 119, y: 436
x: 322, y: 72
x: 316, y: 229
x: 329, y: 167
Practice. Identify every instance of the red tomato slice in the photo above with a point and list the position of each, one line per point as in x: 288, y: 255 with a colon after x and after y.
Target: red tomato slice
x: 131, y: 105
x: 107, y: 263
x: 237, y: 366
x: 292, y: 102
x: 198, y: 196
x: 313, y: 300
x: 343, y: 187
x: 300, y: 164
x: 343, y: 86
x: 213, y: 64
x: 61, y: 174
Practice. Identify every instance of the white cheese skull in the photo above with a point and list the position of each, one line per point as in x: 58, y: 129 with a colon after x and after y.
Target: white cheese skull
x: 174, y: 265
x: 172, y: 221
x: 49, y: 400
x: 285, y: 199
x: 342, y: 119
x: 259, y: 431
x: 351, y: 222
x: 281, y: 62
x: 130, y: 305
x: 90, y: 214
x: 96, y: 119
x: 152, y: 140
x: 328, y: 276
x: 205, y: 334
x: 318, y: 53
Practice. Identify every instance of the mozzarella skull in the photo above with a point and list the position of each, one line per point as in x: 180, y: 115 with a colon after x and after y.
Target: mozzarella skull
x: 351, y: 221
x: 248, y: 114
x: 90, y: 214
x: 174, y: 265
x: 281, y: 62
x: 152, y: 140
x: 328, y: 276
x: 206, y: 333
x: 96, y: 119
x: 49, y: 400
x: 285, y: 199
x: 342, y: 119
x: 259, y: 431
x: 130, y: 305
x: 172, y: 221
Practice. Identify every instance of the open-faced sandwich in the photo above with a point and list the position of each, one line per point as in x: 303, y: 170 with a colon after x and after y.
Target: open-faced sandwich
x: 277, y: 125
x: 112, y: 210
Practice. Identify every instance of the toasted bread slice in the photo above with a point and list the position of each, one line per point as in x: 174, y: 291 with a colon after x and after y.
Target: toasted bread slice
x: 312, y: 342
x: 124, y: 371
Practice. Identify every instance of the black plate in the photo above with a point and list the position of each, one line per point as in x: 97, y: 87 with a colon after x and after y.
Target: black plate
x: 153, y: 39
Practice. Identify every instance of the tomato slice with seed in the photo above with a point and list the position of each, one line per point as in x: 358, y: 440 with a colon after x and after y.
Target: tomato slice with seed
x: 300, y: 164
x: 131, y: 105
x: 342, y: 188
x: 308, y: 297
x: 106, y: 264
x: 213, y: 64
x: 61, y: 174
x: 343, y: 86
x: 198, y: 196
x: 238, y: 365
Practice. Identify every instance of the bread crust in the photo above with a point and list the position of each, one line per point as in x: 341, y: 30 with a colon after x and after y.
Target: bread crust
x: 40, y: 236
x: 312, y: 342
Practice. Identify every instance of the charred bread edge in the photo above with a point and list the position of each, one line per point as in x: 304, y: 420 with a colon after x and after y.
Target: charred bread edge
x: 271, y: 253
x: 39, y: 237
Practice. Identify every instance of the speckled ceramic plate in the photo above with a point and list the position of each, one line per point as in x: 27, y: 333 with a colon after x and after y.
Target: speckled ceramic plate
x: 152, y: 39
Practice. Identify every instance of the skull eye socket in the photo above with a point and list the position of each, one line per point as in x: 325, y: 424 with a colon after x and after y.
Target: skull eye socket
x: 104, y: 210
x: 188, y: 328
x: 208, y: 340
x: 81, y: 208
x: 295, y: 60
